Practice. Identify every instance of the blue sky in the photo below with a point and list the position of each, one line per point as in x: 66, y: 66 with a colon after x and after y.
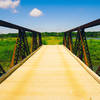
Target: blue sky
x: 57, y: 15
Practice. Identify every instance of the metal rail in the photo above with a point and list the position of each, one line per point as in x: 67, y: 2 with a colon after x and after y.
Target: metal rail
x: 13, y: 26
x: 88, y: 25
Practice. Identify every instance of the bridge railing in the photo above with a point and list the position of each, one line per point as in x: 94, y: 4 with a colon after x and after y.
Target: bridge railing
x: 80, y: 47
x: 22, y: 48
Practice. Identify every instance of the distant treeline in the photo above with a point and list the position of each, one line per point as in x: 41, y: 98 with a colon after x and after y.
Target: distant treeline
x: 13, y: 35
x: 52, y: 34
x: 88, y: 34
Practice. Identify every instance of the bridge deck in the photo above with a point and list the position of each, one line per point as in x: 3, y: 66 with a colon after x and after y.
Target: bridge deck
x: 50, y: 74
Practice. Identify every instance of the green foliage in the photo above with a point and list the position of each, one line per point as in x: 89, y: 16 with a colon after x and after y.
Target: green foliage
x: 6, y: 51
x: 29, y: 34
x: 93, y: 34
x: 14, y: 35
x: 44, y: 42
x: 52, y: 40
x: 52, y: 34
x: 94, y: 48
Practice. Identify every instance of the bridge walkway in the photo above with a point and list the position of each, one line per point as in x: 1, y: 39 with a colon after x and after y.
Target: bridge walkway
x: 52, y: 73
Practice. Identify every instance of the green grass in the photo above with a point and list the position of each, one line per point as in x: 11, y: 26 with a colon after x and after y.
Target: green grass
x: 7, y: 47
x: 29, y: 41
x: 6, y: 51
x: 52, y: 40
x: 94, y: 48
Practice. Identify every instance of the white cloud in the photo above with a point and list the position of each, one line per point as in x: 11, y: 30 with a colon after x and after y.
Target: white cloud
x: 4, y: 4
x: 36, y: 12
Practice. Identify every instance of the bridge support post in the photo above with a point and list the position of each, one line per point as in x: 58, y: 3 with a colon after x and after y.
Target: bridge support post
x: 34, y: 44
x: 21, y: 49
x: 40, y: 39
x: 64, y: 41
x: 69, y: 42
x: 78, y: 47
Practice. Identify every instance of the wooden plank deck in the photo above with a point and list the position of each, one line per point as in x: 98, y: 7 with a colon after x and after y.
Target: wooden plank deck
x: 52, y: 73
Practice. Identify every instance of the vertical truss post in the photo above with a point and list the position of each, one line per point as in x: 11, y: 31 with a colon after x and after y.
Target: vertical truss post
x: 21, y: 49
x: 40, y: 39
x: 69, y: 42
x: 37, y: 39
x: 27, y: 50
x: 64, y: 41
x: 34, y: 44
x: 78, y: 47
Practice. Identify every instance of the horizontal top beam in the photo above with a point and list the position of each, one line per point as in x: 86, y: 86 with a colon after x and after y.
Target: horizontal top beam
x: 88, y: 25
x: 13, y: 26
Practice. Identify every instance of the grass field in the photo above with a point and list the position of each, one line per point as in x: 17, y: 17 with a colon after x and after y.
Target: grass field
x: 52, y: 40
x: 94, y: 48
x: 7, y: 47
x: 6, y: 51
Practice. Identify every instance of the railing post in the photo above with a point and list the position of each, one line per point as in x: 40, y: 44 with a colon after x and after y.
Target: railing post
x: 26, y: 45
x: 69, y: 42
x: 34, y: 44
x: 40, y: 39
x: 64, y: 41
x: 78, y: 47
